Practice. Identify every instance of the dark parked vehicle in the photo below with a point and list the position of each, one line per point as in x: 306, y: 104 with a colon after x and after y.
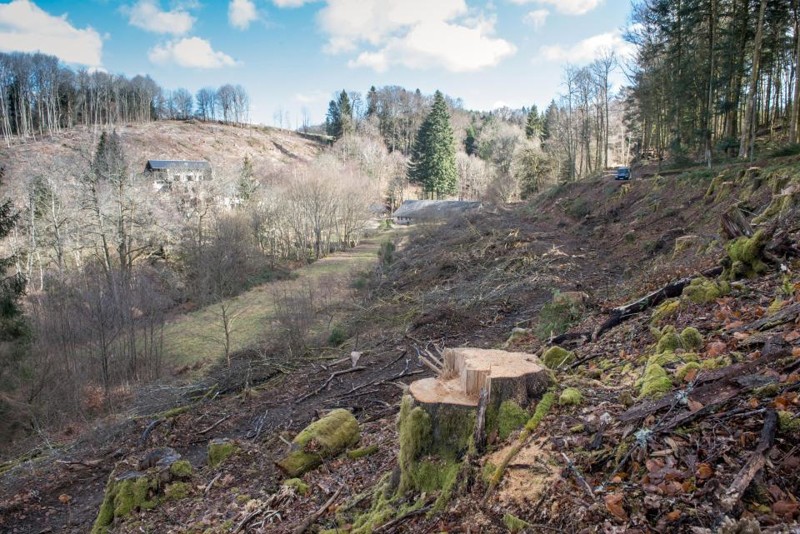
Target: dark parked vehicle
x: 623, y: 173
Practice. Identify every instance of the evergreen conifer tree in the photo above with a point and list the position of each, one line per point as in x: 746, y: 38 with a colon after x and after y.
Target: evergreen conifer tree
x: 333, y: 122
x: 11, y: 286
x: 339, y: 121
x: 470, y: 142
x: 533, y: 125
x: 433, y: 156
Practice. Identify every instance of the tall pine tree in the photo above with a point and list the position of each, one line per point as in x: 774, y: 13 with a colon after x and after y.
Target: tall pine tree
x: 339, y: 121
x: 533, y: 125
x: 433, y: 157
x: 11, y: 286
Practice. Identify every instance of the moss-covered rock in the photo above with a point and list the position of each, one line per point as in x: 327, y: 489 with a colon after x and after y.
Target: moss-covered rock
x: 570, y: 397
x: 143, y: 489
x: 510, y: 417
x: 669, y: 341
x: 691, y: 338
x: 326, y: 438
x: 655, y: 382
x: 300, y: 487
x: 556, y: 357
x: 181, y: 469
x: 220, y: 450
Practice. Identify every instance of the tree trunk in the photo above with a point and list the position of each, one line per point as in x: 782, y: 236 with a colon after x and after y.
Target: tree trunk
x: 749, y: 126
x: 796, y: 99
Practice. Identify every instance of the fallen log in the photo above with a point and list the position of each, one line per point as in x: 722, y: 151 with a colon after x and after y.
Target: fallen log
x: 671, y: 290
x: 328, y: 381
x: 754, y: 464
x: 785, y: 315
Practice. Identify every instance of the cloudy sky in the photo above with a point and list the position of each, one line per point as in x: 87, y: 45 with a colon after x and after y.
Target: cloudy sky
x: 292, y: 55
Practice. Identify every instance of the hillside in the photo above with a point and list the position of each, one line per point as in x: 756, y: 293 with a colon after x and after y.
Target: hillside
x: 659, y: 420
x: 223, y: 145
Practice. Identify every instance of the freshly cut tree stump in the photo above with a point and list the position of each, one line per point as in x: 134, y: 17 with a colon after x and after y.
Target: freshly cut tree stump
x: 438, y: 416
x: 515, y: 376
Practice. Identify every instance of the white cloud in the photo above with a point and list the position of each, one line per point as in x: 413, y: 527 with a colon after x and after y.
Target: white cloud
x: 438, y: 44
x: 241, y: 13
x: 192, y: 52
x: 417, y: 34
x: 536, y: 18
x: 589, y: 49
x: 24, y: 27
x: 148, y: 15
x: 567, y: 7
x: 291, y: 3
x: 311, y: 98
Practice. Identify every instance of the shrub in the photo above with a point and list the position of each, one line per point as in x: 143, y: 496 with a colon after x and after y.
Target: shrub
x: 557, y: 317
x: 579, y: 208
x: 386, y: 253
x: 337, y: 336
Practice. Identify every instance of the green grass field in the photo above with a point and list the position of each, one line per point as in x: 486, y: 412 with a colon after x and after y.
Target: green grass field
x: 198, y: 336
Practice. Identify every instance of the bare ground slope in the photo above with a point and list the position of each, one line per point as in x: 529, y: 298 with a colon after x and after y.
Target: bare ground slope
x: 223, y: 145
x: 614, y: 462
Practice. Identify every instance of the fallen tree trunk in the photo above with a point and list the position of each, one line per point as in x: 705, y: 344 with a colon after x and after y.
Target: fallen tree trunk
x: 671, y: 290
x: 754, y: 464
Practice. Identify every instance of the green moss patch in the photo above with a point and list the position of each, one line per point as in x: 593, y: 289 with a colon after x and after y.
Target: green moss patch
x: 655, y: 382
x: 181, y: 469
x: 746, y: 256
x: 220, y: 450
x: 177, y: 491
x: 510, y: 417
x: 684, y: 370
x: 326, y: 438
x: 556, y: 357
x: 362, y: 452
x: 570, y: 397
x: 703, y: 291
x: 515, y: 524
x: 691, y: 338
x: 669, y: 342
x: 125, y: 494
x: 300, y: 487
x: 788, y: 423
x: 665, y: 310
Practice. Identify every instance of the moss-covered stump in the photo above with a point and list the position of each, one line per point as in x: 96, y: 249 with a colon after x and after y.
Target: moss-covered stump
x: 514, y: 380
x: 438, y: 416
x: 128, y: 491
x: 745, y: 256
x: 325, y: 438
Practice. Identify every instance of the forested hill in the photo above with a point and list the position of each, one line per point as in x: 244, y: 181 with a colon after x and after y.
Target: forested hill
x: 222, y: 145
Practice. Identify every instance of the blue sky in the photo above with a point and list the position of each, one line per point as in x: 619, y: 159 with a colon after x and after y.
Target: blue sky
x: 292, y: 55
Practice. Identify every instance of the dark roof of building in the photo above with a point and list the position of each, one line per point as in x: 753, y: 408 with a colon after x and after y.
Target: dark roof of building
x: 433, y: 209
x: 163, y: 164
